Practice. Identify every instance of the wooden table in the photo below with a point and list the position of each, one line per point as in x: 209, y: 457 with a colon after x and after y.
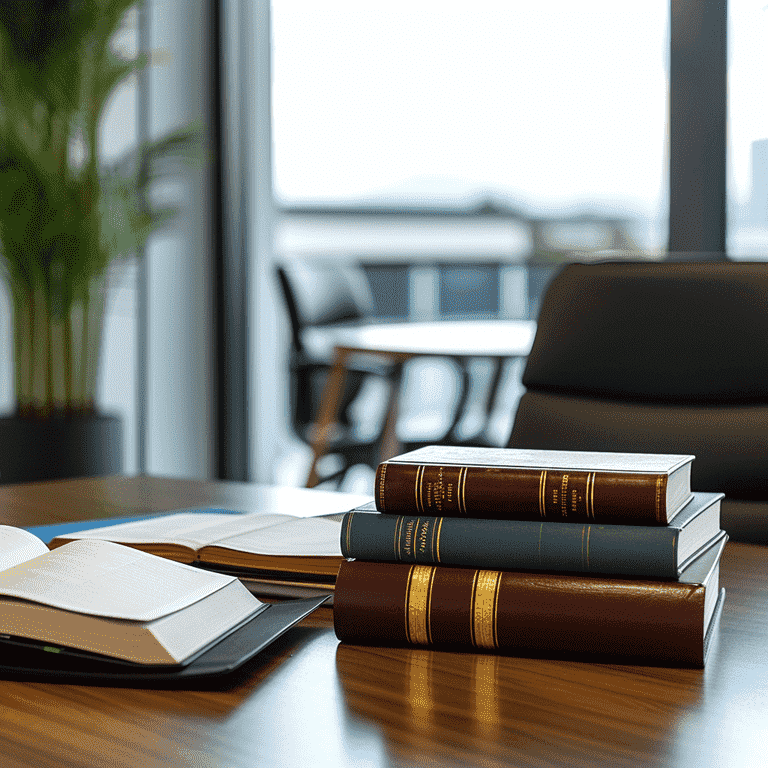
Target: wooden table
x: 397, y: 343
x: 309, y: 701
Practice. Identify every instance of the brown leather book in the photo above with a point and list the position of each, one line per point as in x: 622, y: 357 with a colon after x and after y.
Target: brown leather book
x: 400, y: 604
x: 520, y: 484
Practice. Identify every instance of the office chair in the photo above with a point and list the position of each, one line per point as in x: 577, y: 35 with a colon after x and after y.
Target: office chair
x: 658, y: 358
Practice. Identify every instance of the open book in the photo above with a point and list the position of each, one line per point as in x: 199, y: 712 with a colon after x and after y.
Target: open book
x: 246, y: 544
x: 105, y: 598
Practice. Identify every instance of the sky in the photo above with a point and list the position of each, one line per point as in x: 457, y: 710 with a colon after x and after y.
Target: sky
x: 552, y: 104
x: 747, y: 89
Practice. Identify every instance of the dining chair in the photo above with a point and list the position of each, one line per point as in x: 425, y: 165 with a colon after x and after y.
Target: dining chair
x: 658, y: 357
x: 319, y: 296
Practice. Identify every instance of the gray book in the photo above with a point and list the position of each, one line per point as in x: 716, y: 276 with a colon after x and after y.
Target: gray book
x: 659, y: 552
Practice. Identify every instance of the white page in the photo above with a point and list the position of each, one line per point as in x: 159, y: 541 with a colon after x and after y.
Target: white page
x: 305, y: 537
x: 17, y: 545
x: 105, y: 579
x: 192, y: 529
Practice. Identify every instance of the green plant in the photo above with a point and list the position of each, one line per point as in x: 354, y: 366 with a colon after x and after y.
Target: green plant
x: 65, y: 217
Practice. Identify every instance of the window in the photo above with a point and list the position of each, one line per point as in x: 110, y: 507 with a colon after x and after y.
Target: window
x: 747, y: 176
x: 547, y: 111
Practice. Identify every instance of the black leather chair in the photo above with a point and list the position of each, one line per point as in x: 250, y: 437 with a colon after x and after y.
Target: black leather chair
x: 658, y: 357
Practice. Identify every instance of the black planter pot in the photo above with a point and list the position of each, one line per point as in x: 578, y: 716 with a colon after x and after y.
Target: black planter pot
x: 59, y: 447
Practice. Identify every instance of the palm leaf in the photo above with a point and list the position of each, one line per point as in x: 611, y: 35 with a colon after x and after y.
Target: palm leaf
x: 63, y: 223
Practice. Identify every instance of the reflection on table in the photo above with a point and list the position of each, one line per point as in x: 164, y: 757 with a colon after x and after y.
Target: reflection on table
x: 308, y: 700
x: 397, y: 343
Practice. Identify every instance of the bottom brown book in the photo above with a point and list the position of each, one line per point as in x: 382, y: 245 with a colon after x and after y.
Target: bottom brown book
x: 668, y: 622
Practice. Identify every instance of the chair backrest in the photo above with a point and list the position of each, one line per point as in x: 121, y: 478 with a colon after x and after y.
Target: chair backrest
x: 318, y: 294
x: 653, y: 357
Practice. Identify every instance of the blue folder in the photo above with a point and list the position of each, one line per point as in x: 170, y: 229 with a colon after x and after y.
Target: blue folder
x: 49, y: 532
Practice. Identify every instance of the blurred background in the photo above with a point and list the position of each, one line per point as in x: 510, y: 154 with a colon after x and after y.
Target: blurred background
x: 457, y: 154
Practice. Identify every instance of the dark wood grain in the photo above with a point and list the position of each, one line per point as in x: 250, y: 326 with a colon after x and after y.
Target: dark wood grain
x: 307, y: 700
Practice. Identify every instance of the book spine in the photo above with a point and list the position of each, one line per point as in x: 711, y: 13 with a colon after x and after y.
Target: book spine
x: 521, y: 494
x: 397, y: 604
x: 512, y: 544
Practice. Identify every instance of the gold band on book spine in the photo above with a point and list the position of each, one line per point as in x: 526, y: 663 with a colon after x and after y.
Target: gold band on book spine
x: 543, y: 493
x: 347, y: 531
x: 485, y: 599
x: 659, y: 483
x: 418, y: 488
x: 461, y: 496
x: 418, y: 604
x: 589, y: 495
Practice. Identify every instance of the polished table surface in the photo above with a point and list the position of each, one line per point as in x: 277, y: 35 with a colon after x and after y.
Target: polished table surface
x: 398, y: 343
x: 310, y: 701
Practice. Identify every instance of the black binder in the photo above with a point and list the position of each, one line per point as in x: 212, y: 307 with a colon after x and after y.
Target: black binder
x: 40, y: 662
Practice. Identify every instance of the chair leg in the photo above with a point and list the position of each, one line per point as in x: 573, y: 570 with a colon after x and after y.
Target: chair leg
x: 451, y: 436
x: 329, y: 408
x: 493, y: 389
x: 390, y: 444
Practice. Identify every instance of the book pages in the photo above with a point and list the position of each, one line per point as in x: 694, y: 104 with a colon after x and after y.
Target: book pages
x: 183, y: 635
x: 305, y: 537
x: 18, y: 546
x: 190, y: 529
x: 105, y: 579
x: 590, y: 461
x: 168, y: 640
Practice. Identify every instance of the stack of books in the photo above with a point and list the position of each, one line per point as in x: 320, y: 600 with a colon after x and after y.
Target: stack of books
x: 585, y: 554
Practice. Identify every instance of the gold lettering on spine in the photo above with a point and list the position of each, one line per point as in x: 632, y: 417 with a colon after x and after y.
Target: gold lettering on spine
x: 543, y: 493
x: 418, y: 489
x: 564, y: 495
x: 382, y: 475
x: 419, y: 604
x: 421, y: 539
x: 485, y: 600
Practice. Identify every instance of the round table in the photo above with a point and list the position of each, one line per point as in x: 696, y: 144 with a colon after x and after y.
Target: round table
x: 398, y: 343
